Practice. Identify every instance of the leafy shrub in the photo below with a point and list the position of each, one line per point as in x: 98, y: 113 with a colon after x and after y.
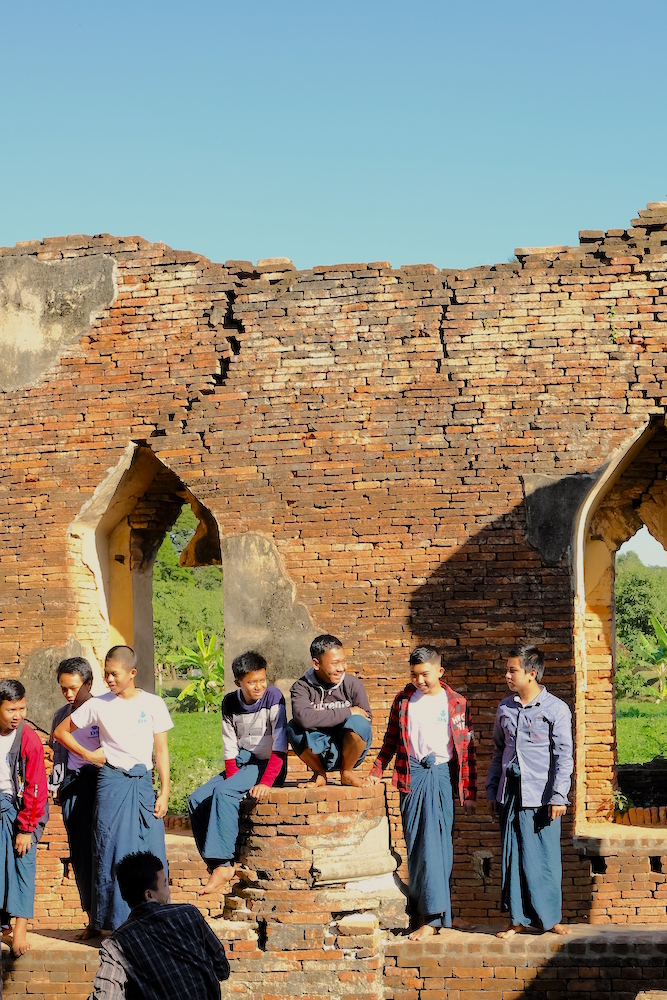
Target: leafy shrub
x: 208, y: 686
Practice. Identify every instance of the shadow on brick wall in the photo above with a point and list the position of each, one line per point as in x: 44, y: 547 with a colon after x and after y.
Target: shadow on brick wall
x: 628, y: 969
x: 490, y: 593
x: 591, y: 963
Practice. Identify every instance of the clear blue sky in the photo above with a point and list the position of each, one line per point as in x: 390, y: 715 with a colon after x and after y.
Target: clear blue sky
x: 328, y: 132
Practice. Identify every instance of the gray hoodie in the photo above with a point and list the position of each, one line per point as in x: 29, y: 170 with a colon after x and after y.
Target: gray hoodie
x: 316, y: 705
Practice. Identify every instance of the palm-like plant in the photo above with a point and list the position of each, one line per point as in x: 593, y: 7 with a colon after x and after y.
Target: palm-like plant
x: 207, y: 690
x: 657, y: 658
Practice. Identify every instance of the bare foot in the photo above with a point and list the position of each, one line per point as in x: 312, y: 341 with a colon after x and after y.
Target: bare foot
x: 20, y: 937
x: 511, y: 931
x: 560, y: 929
x: 354, y: 779
x: 459, y: 924
x: 317, y: 781
x: 87, y: 933
x: 219, y: 879
x: 423, y: 932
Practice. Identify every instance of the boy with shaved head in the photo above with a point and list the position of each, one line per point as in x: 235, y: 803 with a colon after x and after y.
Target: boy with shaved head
x: 127, y: 817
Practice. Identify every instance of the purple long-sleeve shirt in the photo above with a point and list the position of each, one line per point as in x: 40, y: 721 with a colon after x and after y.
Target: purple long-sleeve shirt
x: 539, y: 736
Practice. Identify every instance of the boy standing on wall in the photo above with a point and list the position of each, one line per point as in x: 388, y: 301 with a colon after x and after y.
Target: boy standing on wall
x: 331, y: 716
x: 429, y: 731
x: 255, y: 748
x: 73, y: 781
x: 527, y: 785
x: 128, y: 817
x: 24, y: 811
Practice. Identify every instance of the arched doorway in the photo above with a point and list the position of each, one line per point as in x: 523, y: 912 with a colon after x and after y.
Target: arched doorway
x: 116, y: 538
x: 631, y: 493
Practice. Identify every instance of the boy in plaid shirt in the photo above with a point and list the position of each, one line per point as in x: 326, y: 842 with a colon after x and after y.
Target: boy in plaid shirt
x: 429, y: 732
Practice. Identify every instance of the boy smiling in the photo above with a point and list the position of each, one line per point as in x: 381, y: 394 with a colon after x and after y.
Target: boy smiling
x: 331, y: 716
x: 255, y: 749
x: 429, y: 731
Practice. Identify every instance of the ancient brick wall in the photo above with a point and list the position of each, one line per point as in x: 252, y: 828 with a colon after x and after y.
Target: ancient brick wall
x: 383, y: 431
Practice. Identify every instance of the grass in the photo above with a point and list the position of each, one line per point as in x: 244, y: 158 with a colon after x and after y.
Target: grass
x: 195, y: 751
x: 641, y: 731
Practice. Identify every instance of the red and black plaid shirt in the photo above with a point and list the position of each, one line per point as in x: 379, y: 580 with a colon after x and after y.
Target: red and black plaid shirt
x: 396, y: 742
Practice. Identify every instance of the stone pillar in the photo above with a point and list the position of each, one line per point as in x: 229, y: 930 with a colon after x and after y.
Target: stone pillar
x: 311, y: 856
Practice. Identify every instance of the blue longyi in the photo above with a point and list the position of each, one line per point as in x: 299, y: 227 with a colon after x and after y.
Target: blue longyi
x: 427, y: 811
x: 123, y: 824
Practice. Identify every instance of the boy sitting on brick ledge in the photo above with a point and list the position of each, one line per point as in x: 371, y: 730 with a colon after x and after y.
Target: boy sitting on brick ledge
x: 255, y: 746
x: 331, y: 716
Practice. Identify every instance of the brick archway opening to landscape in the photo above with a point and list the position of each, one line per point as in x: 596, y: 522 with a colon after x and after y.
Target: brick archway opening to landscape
x: 114, y: 542
x: 630, y: 493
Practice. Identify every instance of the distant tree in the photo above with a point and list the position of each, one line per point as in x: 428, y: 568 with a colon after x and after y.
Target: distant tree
x: 185, y: 600
x: 635, y: 605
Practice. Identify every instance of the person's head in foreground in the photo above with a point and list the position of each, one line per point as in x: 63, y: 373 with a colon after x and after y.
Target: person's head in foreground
x: 426, y: 669
x: 120, y: 669
x: 249, y: 671
x: 12, y: 706
x: 525, y: 669
x: 329, y: 660
x: 75, y: 676
x: 142, y: 879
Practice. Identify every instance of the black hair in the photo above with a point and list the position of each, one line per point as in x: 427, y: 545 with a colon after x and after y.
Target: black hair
x: 75, y: 665
x: 124, y: 655
x: 11, y: 690
x: 136, y: 873
x: 246, y: 663
x: 425, y: 654
x: 322, y: 644
x: 530, y: 657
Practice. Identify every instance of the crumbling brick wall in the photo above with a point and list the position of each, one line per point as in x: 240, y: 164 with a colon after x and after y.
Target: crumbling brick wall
x: 377, y: 426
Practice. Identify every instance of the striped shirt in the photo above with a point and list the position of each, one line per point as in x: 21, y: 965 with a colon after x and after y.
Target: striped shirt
x: 258, y: 728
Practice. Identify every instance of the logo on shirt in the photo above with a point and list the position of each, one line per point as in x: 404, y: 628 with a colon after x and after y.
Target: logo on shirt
x: 443, y: 717
x: 142, y: 718
x: 94, y: 731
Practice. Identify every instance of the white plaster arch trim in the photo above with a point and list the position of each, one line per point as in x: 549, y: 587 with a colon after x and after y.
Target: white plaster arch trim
x: 616, y: 466
x: 86, y: 523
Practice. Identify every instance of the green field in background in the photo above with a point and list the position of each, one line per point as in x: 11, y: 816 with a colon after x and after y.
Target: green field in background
x: 641, y: 731
x: 195, y: 752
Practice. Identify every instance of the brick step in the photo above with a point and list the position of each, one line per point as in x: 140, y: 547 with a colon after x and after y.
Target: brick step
x: 591, y: 961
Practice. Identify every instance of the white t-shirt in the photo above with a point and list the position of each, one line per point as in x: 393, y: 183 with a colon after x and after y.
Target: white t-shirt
x: 126, y: 726
x: 6, y: 785
x: 89, y: 738
x: 429, y: 730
